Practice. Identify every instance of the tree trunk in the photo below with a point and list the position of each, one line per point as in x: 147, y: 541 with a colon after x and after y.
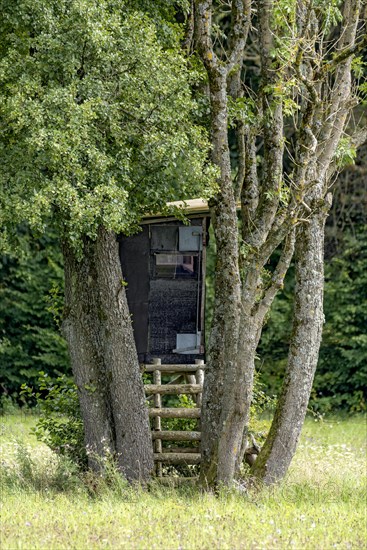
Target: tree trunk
x: 98, y: 329
x: 241, y: 397
x: 276, y: 195
x: 280, y: 446
x: 218, y: 421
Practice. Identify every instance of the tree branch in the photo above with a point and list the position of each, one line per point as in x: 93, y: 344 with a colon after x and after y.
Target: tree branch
x: 203, y: 25
x: 336, y: 115
x: 282, y: 226
x: 272, y: 133
x: 241, y: 19
x: 342, y: 56
x: 357, y: 139
x: 187, y: 43
x: 264, y: 10
x: 277, y: 280
x: 249, y: 184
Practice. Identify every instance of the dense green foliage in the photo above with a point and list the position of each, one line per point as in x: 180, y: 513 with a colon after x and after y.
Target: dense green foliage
x: 29, y: 337
x: 341, y: 376
x: 31, y: 341
x: 341, y: 379
x: 60, y: 425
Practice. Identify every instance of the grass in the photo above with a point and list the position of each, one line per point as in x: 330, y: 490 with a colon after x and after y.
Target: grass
x: 321, y: 504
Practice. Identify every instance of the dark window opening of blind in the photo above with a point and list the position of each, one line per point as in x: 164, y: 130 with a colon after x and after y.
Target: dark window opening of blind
x: 175, y: 266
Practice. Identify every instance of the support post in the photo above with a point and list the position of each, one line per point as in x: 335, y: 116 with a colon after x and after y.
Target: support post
x: 199, y: 375
x: 157, y: 379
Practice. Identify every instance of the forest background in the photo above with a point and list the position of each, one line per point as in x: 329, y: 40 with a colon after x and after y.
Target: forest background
x: 322, y: 500
x: 31, y: 297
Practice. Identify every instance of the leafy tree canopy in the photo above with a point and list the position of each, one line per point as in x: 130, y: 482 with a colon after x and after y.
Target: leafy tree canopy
x: 96, y: 124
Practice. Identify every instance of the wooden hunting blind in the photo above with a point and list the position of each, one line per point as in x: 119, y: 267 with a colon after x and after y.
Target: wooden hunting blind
x: 164, y: 267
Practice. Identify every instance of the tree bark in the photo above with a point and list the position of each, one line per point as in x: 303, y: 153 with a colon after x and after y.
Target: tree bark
x: 235, y: 332
x: 280, y: 446
x: 218, y: 459
x: 323, y: 131
x: 281, y: 193
x: 98, y: 329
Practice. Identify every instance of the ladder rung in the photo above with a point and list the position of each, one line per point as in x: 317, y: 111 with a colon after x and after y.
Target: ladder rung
x: 175, y: 412
x: 176, y: 435
x: 173, y: 368
x: 172, y: 389
x: 177, y: 458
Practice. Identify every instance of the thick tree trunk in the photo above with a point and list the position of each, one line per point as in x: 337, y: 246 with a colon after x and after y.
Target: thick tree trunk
x: 241, y: 397
x: 280, y: 446
x: 218, y: 421
x: 97, y: 326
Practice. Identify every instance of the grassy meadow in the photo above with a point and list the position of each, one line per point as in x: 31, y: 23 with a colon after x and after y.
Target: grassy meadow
x: 321, y: 504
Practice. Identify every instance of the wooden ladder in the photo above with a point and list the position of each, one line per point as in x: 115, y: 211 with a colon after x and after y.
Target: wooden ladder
x: 195, y: 376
